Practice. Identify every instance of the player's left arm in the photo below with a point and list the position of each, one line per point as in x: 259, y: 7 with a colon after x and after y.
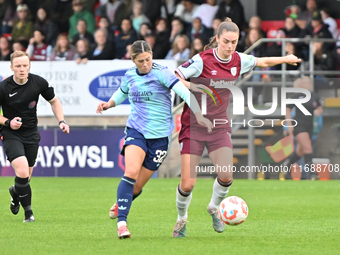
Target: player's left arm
x: 318, y: 111
x: 272, y: 61
x: 59, y: 114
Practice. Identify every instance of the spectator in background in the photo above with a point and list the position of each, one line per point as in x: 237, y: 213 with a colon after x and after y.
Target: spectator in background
x: 46, y: 25
x: 103, y: 50
x: 177, y: 28
x: 291, y: 30
x: 197, y: 46
x: 185, y: 10
x: 37, y: 49
x: 215, y: 24
x: 123, y: 37
x: 275, y: 49
x: 82, y: 51
x: 324, y: 60
x: 328, y: 20
x: 5, y: 49
x: 168, y: 9
x: 81, y: 13
x: 127, y: 55
x: 162, y: 44
x: 63, y: 49
x: 255, y: 22
x: 305, y: 17
x: 115, y: 10
x: 198, y: 29
x: 292, y: 11
x: 10, y: 16
x: 137, y: 16
x: 3, y: 7
x: 337, y: 54
x: 104, y: 23
x: 180, y: 48
x: 232, y: 9
x: 152, y: 9
x: 143, y: 30
x: 316, y: 29
x: 82, y: 33
x: 61, y: 12
x: 18, y: 46
x: 23, y: 27
x: 150, y: 38
x: 206, y: 12
x: 253, y: 36
x: 260, y: 51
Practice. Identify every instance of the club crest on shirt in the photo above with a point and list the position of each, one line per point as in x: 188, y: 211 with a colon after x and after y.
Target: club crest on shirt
x: 233, y: 71
x: 188, y: 63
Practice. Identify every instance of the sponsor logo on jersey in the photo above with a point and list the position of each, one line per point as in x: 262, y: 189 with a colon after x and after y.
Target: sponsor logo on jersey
x: 32, y: 104
x: 188, y: 63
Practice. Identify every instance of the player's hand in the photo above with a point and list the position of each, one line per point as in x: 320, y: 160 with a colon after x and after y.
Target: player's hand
x: 290, y: 130
x: 292, y: 60
x: 204, y: 121
x: 64, y: 127
x: 200, y: 88
x: 102, y: 106
x: 15, y: 123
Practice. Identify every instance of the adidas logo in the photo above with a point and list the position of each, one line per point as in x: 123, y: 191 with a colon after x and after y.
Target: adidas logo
x: 122, y: 207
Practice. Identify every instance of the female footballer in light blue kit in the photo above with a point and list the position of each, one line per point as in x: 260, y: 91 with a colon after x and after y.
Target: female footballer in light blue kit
x: 147, y: 85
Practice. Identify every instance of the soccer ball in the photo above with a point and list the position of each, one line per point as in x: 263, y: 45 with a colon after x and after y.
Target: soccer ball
x: 233, y: 210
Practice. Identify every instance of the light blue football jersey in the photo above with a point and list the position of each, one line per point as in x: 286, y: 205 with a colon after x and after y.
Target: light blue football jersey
x: 150, y: 99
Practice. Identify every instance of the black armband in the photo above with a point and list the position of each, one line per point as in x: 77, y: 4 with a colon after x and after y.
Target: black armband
x: 62, y: 121
x: 7, y: 123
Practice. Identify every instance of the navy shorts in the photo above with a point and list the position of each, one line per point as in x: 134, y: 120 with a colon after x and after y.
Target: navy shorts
x: 155, y: 149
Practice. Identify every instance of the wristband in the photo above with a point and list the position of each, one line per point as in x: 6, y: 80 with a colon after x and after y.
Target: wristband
x: 7, y: 123
x: 62, y: 121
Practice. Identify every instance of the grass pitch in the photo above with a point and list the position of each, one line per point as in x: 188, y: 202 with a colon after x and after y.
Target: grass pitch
x: 289, y: 217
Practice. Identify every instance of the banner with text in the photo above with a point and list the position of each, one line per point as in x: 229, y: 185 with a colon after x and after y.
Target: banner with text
x: 80, y: 87
x: 87, y: 152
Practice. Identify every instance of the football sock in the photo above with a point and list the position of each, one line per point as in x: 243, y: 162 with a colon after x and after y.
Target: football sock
x: 220, y: 191
x: 137, y: 195
x: 124, y: 197
x: 308, y: 162
x: 182, y: 201
x: 23, y: 188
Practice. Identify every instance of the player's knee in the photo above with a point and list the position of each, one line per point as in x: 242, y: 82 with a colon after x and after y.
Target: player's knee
x: 22, y: 172
x: 132, y: 172
x: 187, y: 186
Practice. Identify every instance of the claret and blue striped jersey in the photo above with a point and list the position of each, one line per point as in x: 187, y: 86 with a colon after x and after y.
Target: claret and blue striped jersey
x: 150, y: 99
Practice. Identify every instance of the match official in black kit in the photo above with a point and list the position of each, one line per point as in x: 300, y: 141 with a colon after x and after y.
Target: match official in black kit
x: 19, y: 96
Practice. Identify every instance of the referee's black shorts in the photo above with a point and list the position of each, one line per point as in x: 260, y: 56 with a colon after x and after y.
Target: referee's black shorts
x: 300, y: 128
x: 19, y: 143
